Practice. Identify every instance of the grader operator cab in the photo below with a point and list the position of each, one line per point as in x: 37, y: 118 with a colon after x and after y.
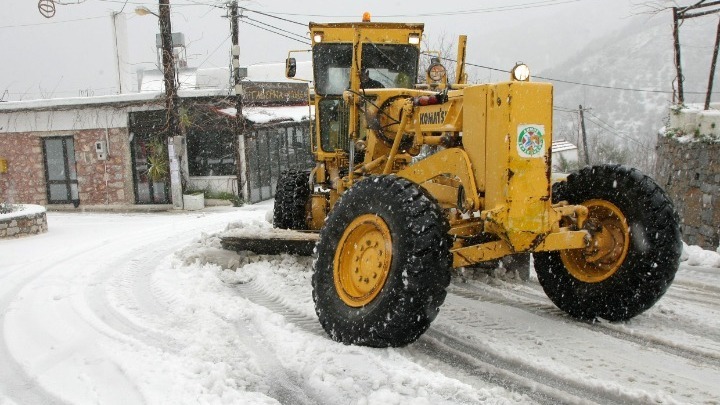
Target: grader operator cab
x: 605, y: 241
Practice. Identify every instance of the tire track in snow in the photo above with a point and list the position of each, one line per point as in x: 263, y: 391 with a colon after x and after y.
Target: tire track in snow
x: 450, y: 350
x: 19, y: 385
x: 99, y: 302
x: 695, y: 292
x: 272, y: 302
x: 532, y: 305
x: 516, y: 376
x: 130, y: 281
x: 288, y: 386
x: 689, y: 326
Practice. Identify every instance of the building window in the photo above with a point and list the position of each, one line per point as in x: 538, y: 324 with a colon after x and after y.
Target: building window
x: 211, y: 153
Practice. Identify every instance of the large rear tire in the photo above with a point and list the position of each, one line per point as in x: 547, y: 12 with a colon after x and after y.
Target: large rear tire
x: 634, y: 253
x: 291, y: 197
x: 383, y: 263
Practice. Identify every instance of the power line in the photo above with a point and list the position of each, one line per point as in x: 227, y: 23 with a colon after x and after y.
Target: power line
x: 52, y: 22
x: 614, y: 131
x: 577, y: 83
x: 213, y: 52
x: 272, y: 26
x: 277, y: 33
x: 272, y: 16
x: 521, y: 6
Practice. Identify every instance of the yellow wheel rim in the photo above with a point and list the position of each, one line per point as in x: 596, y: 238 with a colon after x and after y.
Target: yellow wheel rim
x: 608, y: 247
x: 362, y: 260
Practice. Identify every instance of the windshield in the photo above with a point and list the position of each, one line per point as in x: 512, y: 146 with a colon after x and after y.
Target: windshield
x: 391, y: 65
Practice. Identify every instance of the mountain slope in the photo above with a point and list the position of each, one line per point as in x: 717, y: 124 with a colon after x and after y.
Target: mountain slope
x: 639, y: 56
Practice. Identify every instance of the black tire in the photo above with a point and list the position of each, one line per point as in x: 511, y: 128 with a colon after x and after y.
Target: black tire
x: 291, y: 196
x: 653, y: 251
x: 418, y: 274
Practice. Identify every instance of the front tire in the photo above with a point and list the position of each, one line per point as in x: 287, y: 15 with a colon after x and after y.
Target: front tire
x: 634, y: 253
x: 292, y: 194
x: 383, y: 263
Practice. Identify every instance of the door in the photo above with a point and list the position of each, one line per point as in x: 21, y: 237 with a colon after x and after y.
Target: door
x: 147, y: 190
x: 60, y: 170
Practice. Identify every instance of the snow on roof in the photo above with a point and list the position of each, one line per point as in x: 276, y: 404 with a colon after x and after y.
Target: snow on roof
x: 264, y: 115
x: 98, y: 100
x: 219, y: 77
x: 275, y: 72
x: 562, y: 145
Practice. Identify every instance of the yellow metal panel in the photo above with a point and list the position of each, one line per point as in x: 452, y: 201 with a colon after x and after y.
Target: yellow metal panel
x: 474, y: 121
x: 452, y: 161
x: 318, y: 211
x: 3, y: 165
x: 564, y: 240
x: 479, y: 253
x: 497, y: 146
x: 447, y: 196
x: 446, y: 117
x: 371, y: 32
x: 518, y: 161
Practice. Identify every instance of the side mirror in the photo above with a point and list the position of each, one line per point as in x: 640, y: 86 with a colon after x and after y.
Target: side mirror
x: 290, y: 67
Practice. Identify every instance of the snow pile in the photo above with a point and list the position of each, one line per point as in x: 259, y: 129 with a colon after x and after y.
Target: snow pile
x: 19, y: 210
x: 241, y: 318
x: 697, y: 256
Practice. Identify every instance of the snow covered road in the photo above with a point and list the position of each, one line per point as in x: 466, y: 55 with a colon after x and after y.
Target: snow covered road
x: 147, y: 308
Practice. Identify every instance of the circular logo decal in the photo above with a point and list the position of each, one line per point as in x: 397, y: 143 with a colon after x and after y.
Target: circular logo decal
x: 531, y: 141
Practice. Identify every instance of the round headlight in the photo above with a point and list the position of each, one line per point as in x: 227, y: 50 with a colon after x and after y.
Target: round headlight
x: 520, y: 72
x: 436, y: 72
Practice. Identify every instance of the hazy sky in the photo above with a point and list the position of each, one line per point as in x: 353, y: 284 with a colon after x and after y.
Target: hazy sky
x: 73, y: 51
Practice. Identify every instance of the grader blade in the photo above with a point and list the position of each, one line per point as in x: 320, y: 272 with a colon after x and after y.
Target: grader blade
x: 274, y: 242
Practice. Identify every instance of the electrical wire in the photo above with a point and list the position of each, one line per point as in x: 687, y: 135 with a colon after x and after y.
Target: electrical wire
x: 276, y: 33
x: 521, y: 6
x: 215, y: 50
x: 574, y: 82
x: 614, y: 132
x: 52, y: 22
x: 272, y: 26
x: 272, y: 16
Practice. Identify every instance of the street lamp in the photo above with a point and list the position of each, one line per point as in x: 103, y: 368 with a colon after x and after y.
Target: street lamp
x: 142, y: 10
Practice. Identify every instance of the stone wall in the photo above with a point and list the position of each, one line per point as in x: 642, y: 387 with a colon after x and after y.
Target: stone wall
x: 24, y: 181
x: 29, y: 224
x: 690, y: 173
x: 104, y: 182
x: 100, y: 182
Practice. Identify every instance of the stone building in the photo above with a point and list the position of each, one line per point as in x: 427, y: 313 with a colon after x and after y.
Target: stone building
x: 96, y: 151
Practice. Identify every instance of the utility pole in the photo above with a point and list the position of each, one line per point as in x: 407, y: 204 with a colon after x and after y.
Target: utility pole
x: 584, y: 136
x: 678, y: 66
x: 171, y: 100
x: 239, y: 118
x: 699, y: 9
x: 712, y: 67
x: 168, y: 62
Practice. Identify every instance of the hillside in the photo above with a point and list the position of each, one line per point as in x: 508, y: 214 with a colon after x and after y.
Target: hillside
x: 622, y: 124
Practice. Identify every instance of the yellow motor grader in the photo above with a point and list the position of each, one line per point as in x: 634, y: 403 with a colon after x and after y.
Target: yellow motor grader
x: 413, y: 180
